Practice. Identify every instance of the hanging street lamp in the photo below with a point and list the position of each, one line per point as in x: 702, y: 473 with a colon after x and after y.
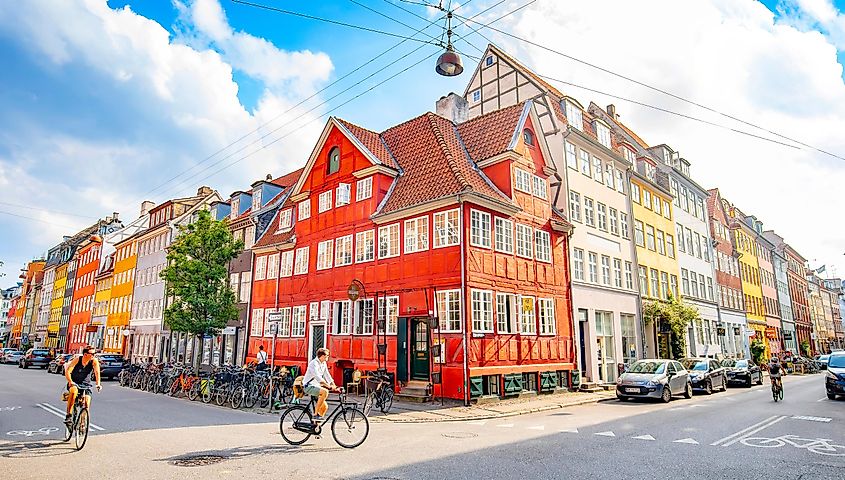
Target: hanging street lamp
x: 449, y: 62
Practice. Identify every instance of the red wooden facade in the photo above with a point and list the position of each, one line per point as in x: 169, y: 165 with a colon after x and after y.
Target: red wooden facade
x: 434, y: 226
x: 88, y: 261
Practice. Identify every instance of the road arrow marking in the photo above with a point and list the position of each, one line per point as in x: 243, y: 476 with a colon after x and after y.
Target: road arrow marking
x: 606, y: 434
x: 644, y: 437
x: 686, y: 440
x: 505, y: 425
x: 569, y: 430
x: 537, y: 427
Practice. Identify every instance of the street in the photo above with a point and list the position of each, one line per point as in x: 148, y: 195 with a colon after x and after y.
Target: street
x: 738, y: 434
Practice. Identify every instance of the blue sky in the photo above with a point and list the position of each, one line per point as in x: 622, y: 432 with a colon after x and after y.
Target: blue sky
x: 103, y: 102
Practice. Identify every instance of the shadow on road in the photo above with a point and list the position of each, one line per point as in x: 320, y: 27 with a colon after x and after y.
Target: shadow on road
x: 48, y: 448
x: 241, y: 452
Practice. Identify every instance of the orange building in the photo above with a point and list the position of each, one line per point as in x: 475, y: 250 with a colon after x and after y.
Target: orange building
x: 120, y: 306
x: 87, y: 264
x: 459, y: 259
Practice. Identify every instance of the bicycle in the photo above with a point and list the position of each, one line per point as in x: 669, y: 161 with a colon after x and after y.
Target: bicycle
x: 777, y: 389
x: 380, y: 396
x: 297, y: 425
x: 78, y: 428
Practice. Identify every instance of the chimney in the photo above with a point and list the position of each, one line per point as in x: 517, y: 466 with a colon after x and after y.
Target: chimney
x: 203, y: 191
x: 453, y: 107
x: 611, y: 110
x: 114, y: 216
x: 268, y: 177
x: 146, y: 206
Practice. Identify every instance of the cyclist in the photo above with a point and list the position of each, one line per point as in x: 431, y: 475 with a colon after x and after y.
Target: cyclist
x: 77, y: 372
x: 318, y: 382
x: 775, y: 371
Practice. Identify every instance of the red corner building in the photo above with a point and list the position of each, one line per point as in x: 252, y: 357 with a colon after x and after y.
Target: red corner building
x: 448, y: 234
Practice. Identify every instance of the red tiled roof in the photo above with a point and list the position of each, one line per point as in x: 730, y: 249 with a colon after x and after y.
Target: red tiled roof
x: 288, y: 180
x: 489, y: 135
x: 271, y: 235
x: 371, y: 140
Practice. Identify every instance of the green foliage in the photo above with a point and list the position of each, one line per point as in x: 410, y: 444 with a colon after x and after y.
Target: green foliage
x: 197, y: 277
x: 677, y: 315
x: 805, y: 348
x: 758, y: 351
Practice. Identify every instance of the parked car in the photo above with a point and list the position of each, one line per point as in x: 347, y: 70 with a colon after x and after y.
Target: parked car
x: 834, y: 381
x: 36, y: 357
x: 57, y: 366
x: 822, y: 361
x: 110, y: 365
x: 12, y: 356
x: 655, y: 378
x: 706, y: 374
x: 4, y: 352
x: 743, y: 371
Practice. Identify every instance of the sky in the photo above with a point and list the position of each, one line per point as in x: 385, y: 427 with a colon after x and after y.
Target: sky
x: 104, y: 104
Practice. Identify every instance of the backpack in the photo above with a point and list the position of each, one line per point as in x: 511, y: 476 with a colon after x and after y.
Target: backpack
x: 774, y: 368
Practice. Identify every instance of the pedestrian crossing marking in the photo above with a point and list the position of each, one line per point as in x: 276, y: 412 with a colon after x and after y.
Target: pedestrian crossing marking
x: 811, y: 419
x: 644, y: 437
x: 686, y: 440
x: 606, y: 434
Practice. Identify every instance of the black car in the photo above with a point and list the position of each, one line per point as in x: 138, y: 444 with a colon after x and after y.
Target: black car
x: 834, y: 381
x: 743, y: 371
x: 706, y: 374
x: 57, y: 366
x: 36, y: 357
x: 110, y: 365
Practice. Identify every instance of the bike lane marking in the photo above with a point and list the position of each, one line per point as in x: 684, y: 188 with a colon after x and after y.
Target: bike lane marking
x: 764, y: 424
x: 55, y: 411
x: 755, y: 430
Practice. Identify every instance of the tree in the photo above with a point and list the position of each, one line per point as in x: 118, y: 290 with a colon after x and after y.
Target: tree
x: 197, y: 277
x: 805, y: 348
x: 672, y: 318
x: 758, y: 351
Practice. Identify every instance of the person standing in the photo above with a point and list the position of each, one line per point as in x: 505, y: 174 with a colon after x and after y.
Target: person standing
x: 261, y: 358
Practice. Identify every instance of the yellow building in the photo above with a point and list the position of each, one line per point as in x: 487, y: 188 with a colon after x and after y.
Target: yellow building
x: 120, y: 302
x: 56, y: 304
x: 102, y: 296
x: 749, y: 269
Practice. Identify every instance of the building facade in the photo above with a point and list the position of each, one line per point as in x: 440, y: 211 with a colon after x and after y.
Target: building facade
x: 768, y: 286
x: 781, y: 267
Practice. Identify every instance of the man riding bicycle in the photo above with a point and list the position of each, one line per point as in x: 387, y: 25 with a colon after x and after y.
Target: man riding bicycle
x: 775, y: 371
x: 77, y: 372
x: 318, y: 381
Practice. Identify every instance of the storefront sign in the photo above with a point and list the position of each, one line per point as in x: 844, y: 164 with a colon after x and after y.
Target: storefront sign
x: 229, y: 330
x: 91, y: 328
x: 771, y: 333
x: 720, y: 331
x: 737, y: 331
x: 356, y: 288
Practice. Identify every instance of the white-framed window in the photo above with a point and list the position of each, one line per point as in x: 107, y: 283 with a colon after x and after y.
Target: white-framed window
x: 325, y: 201
x: 249, y: 237
x: 617, y: 272
x: 608, y: 176
x: 527, y: 316
x: 343, y: 251
x: 286, y: 264
x: 578, y: 264
x: 236, y: 207
x: 364, y: 189
x: 324, y: 254
x: 614, y: 221
x: 234, y: 283
x: 585, y: 162
x: 325, y: 309
x: 540, y: 187
x: 592, y: 265
x: 284, y: 323
x: 363, y: 324
x: 546, y: 310
x: 504, y: 235
x: 602, y: 216
x: 344, y: 193
x: 416, y: 235
x: 297, y: 328
x: 661, y: 243
x: 246, y: 286
x: 285, y: 219
x: 388, y: 241
x: 542, y: 246
x: 598, y: 174
x: 589, y: 212
x: 605, y: 270
x: 304, y: 209
x: 260, y: 267
x: 300, y: 265
x: 571, y: 156
x: 342, y: 317
x: 649, y: 238
x: 639, y: 233
x: 388, y: 310
x: 522, y: 180
x: 603, y: 134
x: 482, y: 310
x: 524, y: 241
x: 574, y: 116
x: 506, y: 307
x: 257, y: 326
x: 365, y: 246
x: 273, y: 265
x: 448, y: 303
x: 667, y: 212
x: 479, y: 229
x: 620, y: 181
x: 446, y: 229
x: 574, y: 206
x: 635, y: 192
x: 256, y: 199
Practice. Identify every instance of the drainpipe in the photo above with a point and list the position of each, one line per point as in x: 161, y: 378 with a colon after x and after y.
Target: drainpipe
x: 576, y: 345
x: 464, y: 340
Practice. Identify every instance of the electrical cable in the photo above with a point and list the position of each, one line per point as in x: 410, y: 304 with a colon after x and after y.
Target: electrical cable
x: 36, y: 219
x: 57, y: 212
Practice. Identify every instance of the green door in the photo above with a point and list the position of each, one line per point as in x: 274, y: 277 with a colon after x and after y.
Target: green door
x: 419, y: 350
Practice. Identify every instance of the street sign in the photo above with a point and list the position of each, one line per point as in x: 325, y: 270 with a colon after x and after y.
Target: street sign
x: 274, y: 317
x: 229, y: 331
x: 274, y: 328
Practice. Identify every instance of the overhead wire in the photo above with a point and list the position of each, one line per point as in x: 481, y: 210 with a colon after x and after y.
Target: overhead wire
x: 56, y: 212
x: 34, y: 219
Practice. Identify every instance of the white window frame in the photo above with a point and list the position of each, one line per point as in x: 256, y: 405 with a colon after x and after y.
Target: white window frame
x: 342, y: 317
x: 524, y: 241
x: 589, y: 212
x: 506, y: 316
x: 571, y: 156
x: 574, y: 116
x: 363, y: 189
x: 300, y: 263
x: 361, y: 324
x: 574, y: 206
x: 482, y: 310
x: 388, y: 236
x: 246, y: 287
x: 343, y: 251
x: 584, y: 159
x: 546, y: 316
x: 542, y: 246
x: 298, y: 321
x: 343, y: 195
x: 447, y: 310
x: 325, y: 254
x: 272, y: 266
x: 603, y: 134
x: 578, y: 264
x: 446, y: 228
x: 325, y: 201
x: 527, y: 316
x: 522, y: 180
x: 257, y: 323
x: 540, y: 187
x: 304, y: 209
x: 362, y: 239
x: 504, y: 235
x: 416, y: 234
x: 285, y: 219
x: 480, y: 227
x: 286, y: 264
x: 389, y: 311
x: 260, y: 268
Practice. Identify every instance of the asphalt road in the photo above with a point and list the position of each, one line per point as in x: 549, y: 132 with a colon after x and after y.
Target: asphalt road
x: 739, y: 434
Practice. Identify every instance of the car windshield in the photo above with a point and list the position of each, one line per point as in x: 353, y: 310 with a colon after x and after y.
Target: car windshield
x: 692, y: 364
x: 110, y: 358
x: 741, y: 364
x: 824, y: 358
x: 40, y: 352
x: 836, y: 361
x: 648, y: 367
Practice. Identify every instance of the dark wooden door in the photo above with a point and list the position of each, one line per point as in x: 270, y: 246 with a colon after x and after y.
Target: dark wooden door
x: 318, y: 339
x: 419, y: 350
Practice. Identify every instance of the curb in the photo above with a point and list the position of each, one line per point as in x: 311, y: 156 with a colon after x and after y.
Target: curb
x: 495, y: 415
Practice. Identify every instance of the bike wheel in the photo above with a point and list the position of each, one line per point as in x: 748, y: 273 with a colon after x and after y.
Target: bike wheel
x: 252, y: 396
x: 208, y: 391
x: 175, y: 387
x: 761, y: 442
x: 369, y: 400
x: 828, y: 449
x: 69, y: 430
x: 220, y: 395
x: 81, y: 429
x: 238, y: 398
x: 350, y: 427
x: 194, y: 391
x: 780, y: 393
x: 386, y: 400
x: 293, y: 425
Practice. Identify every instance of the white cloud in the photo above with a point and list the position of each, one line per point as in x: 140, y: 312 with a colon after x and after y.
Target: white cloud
x: 730, y: 55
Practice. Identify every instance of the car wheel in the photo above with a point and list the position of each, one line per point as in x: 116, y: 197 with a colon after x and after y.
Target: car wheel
x: 831, y: 396
x: 760, y: 379
x: 666, y: 394
x: 748, y: 383
x: 622, y: 398
x: 688, y: 391
x: 724, y: 383
x: 708, y: 387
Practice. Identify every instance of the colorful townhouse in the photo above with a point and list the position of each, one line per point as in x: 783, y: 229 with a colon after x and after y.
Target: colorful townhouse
x: 44, y: 303
x: 787, y: 316
x: 57, y: 299
x: 87, y: 264
x: 11, y: 315
x: 837, y: 289
x: 23, y: 330
x: 594, y: 168
x: 431, y: 249
x: 150, y: 338
x: 103, y: 280
x: 768, y: 286
x: 7, y: 307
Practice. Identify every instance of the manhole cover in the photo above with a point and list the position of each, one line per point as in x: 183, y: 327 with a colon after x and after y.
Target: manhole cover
x: 198, y: 460
x: 460, y: 435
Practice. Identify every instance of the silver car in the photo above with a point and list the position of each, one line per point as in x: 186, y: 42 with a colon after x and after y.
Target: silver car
x: 13, y: 356
x: 654, y: 378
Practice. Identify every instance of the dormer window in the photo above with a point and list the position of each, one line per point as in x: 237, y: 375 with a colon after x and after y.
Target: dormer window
x: 333, y: 161
x: 603, y: 134
x: 528, y: 137
x: 629, y: 154
x: 285, y: 219
x: 256, y: 199
x: 235, y: 207
x: 574, y: 116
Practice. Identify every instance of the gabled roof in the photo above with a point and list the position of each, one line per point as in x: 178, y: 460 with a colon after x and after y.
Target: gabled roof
x: 371, y: 140
x: 489, y: 135
x: 491, y: 48
x: 288, y: 180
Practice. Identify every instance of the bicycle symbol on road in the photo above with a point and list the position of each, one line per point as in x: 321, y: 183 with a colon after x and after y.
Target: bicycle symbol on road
x: 9, y: 409
x: 822, y: 446
x: 30, y: 433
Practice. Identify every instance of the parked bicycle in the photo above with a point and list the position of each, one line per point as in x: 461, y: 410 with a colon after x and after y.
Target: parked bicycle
x: 349, y: 425
x: 381, y: 393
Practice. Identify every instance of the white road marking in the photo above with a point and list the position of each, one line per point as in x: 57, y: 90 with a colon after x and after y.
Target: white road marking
x: 505, y: 425
x: 729, y: 437
x: 811, y: 419
x: 569, y: 430
x: 752, y: 432
x: 537, y: 427
x: 55, y: 411
x: 686, y: 440
x: 477, y: 422
x: 644, y: 437
x: 821, y: 399
x: 29, y: 433
x: 606, y: 434
x: 9, y: 409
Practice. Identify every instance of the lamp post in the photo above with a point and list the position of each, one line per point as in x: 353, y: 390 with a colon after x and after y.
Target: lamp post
x: 449, y: 62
